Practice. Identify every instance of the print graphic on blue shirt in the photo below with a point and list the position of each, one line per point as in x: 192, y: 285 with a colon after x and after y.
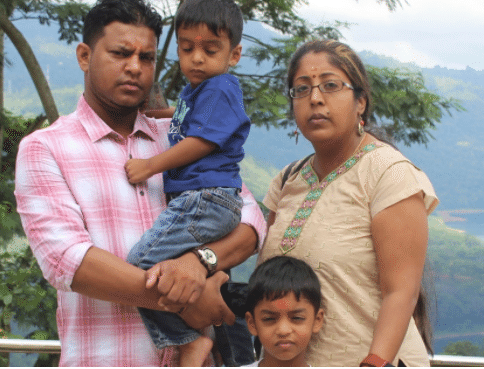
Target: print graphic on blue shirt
x: 214, y: 111
x: 175, y: 132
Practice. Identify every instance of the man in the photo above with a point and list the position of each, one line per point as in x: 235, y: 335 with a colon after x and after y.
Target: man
x: 82, y: 216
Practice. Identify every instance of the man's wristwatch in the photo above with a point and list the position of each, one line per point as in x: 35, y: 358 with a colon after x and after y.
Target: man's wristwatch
x: 374, y: 360
x: 207, y: 257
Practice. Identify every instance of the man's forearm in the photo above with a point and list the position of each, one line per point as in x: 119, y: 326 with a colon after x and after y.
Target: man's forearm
x: 236, y: 247
x: 105, y: 276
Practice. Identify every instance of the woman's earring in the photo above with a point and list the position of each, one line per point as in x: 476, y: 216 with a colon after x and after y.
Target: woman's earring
x: 360, y: 127
x: 296, y: 133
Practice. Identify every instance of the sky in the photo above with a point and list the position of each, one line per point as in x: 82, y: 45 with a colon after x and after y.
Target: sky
x: 448, y: 33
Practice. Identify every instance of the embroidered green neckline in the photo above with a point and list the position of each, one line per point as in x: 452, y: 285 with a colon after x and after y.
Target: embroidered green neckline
x: 292, y: 232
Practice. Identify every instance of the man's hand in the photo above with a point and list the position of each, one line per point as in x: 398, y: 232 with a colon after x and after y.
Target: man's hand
x: 138, y: 170
x: 210, y: 308
x: 180, y: 281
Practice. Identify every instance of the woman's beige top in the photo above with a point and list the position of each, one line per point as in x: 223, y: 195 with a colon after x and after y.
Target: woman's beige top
x: 327, y: 224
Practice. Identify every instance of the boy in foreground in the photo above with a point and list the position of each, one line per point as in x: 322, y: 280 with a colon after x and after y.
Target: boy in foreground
x: 201, y: 171
x: 283, y: 310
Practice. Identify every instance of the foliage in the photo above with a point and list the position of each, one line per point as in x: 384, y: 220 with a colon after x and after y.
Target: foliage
x: 26, y: 298
x: 68, y: 14
x: 464, y: 348
x: 15, y: 128
x: 457, y: 263
x: 404, y: 107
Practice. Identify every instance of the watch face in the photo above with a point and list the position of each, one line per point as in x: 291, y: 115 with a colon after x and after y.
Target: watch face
x: 209, y: 256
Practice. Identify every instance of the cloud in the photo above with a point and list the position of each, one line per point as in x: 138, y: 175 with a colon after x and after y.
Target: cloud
x: 427, y: 32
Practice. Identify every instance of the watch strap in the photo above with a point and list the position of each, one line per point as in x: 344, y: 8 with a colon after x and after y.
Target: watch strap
x: 375, y: 361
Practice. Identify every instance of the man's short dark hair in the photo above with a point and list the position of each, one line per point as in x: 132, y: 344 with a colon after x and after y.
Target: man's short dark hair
x: 104, y: 12
x: 218, y: 15
x: 280, y: 275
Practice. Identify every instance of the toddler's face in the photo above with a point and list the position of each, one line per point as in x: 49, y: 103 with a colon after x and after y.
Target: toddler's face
x: 203, y: 54
x: 284, y: 327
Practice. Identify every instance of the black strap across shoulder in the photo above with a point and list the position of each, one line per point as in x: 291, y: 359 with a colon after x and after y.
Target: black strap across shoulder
x: 289, y: 170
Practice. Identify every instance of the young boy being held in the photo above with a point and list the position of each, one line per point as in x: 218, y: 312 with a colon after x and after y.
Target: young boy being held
x: 201, y: 171
x: 284, y: 310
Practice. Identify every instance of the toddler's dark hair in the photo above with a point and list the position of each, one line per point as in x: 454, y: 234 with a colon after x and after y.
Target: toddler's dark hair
x: 218, y: 15
x: 280, y: 275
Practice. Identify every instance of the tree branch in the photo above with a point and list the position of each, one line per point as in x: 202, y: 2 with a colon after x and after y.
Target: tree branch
x: 32, y: 65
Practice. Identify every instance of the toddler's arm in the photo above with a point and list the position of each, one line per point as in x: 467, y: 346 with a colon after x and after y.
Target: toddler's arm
x: 184, y: 152
x: 162, y: 113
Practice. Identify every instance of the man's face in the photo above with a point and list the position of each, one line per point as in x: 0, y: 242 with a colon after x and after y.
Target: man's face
x: 119, y: 68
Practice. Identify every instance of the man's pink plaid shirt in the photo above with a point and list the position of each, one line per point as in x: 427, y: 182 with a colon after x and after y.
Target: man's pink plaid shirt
x: 72, y: 193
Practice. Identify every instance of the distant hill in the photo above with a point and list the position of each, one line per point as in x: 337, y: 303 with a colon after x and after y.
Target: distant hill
x: 452, y: 161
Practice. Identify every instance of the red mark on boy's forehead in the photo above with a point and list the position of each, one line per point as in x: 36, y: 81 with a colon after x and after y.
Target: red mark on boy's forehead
x: 282, y: 304
x: 198, y: 38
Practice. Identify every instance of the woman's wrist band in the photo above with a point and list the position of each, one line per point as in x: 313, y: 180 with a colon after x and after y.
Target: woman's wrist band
x: 374, y: 360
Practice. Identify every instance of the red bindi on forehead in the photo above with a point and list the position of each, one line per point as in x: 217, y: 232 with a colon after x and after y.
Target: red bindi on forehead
x: 198, y: 38
x: 282, y: 304
x: 137, y: 44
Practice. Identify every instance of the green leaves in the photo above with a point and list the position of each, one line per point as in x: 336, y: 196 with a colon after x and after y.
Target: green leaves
x: 68, y: 14
x: 25, y: 296
x: 403, y: 107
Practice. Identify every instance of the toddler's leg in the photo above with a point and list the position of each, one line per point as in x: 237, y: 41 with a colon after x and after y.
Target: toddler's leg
x: 194, y: 353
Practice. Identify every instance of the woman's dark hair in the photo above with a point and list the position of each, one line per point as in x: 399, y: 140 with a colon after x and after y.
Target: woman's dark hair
x: 104, y: 12
x: 280, y: 275
x: 218, y: 15
x: 340, y: 56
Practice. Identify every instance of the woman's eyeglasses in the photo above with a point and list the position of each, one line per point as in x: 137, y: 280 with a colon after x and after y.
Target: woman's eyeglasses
x: 330, y: 86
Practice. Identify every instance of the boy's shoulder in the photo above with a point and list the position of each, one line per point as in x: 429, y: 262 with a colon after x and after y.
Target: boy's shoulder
x: 223, y: 82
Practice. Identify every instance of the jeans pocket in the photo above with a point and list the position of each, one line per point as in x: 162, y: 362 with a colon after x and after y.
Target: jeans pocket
x: 218, y: 213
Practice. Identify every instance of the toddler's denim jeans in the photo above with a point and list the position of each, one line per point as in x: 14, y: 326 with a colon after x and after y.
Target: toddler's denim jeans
x: 192, y: 219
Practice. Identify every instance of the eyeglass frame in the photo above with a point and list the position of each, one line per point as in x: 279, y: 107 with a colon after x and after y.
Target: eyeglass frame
x: 320, y: 89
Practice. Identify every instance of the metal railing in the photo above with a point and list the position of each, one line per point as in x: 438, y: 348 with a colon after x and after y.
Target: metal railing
x: 30, y: 346
x: 54, y: 347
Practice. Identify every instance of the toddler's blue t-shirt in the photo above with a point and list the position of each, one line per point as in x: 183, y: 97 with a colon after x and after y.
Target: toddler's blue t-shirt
x: 214, y: 111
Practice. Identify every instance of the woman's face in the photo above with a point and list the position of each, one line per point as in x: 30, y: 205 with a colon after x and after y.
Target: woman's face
x: 325, y: 117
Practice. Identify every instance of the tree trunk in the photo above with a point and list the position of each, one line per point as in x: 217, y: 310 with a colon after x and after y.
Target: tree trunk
x: 32, y: 65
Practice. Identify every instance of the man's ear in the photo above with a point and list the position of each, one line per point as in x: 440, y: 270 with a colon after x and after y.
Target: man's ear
x: 249, y: 318
x: 318, y: 321
x: 235, y: 55
x: 83, y: 53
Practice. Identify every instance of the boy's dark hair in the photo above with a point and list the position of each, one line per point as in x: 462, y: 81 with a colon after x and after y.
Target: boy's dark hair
x: 280, y: 275
x: 218, y: 15
x: 104, y: 12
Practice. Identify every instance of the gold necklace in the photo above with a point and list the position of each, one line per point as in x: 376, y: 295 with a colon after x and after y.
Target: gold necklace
x: 344, y: 161
x: 357, y: 147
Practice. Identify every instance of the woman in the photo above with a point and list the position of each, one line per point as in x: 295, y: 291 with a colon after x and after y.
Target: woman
x: 356, y: 212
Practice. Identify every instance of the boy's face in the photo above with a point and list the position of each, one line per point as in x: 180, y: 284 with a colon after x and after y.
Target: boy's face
x: 284, y: 327
x: 203, y: 54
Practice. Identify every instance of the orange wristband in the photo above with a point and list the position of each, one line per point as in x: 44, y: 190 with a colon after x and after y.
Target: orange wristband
x: 374, y: 360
